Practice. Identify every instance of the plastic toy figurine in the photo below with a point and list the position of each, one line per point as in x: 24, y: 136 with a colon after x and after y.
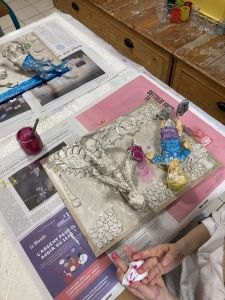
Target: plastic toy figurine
x: 174, y: 150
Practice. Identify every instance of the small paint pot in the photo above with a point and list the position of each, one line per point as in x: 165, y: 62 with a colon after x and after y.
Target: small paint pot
x: 175, y: 15
x: 31, y: 144
x: 184, y: 13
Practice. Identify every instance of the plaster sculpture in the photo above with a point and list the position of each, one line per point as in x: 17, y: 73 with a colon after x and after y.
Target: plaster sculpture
x: 33, y: 64
x: 175, y: 149
x: 100, y: 175
x: 18, y: 53
x: 3, y: 73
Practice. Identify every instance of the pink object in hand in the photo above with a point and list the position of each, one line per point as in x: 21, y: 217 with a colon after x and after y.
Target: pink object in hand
x: 132, y: 274
x: 31, y: 144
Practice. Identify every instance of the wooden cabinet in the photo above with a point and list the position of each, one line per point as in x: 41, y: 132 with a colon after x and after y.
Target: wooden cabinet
x: 125, y: 40
x: 201, y: 90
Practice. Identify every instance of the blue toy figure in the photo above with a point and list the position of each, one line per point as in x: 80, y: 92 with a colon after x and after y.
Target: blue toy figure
x: 174, y: 151
x: 172, y: 148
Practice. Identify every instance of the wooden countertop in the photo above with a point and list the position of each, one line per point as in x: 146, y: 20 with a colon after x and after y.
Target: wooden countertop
x: 204, y: 53
x: 207, y: 55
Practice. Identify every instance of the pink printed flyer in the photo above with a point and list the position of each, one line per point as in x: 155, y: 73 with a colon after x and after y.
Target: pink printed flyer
x: 65, y: 262
x: 135, y: 93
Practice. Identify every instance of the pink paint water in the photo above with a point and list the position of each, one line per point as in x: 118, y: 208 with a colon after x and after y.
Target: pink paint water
x: 30, y: 144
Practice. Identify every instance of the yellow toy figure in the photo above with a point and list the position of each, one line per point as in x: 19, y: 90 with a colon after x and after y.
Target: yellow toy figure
x: 174, y: 151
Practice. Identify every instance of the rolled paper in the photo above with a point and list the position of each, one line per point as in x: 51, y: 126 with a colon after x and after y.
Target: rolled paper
x: 175, y: 15
x: 184, y: 13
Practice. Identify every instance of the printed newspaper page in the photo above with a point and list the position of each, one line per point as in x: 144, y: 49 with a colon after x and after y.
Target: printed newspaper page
x: 55, y: 39
x: 45, y: 230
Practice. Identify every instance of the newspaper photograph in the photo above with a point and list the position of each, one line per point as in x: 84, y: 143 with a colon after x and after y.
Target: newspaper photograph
x: 45, y: 230
x: 12, y: 113
x: 32, y: 184
x: 12, y: 108
x: 82, y: 71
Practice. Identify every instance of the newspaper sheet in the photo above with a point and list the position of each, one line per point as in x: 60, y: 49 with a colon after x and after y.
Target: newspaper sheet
x: 88, y: 70
x: 39, y: 220
x: 32, y: 215
x: 45, y: 230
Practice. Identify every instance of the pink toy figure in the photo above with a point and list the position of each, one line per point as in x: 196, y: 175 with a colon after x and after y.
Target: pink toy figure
x: 143, y: 166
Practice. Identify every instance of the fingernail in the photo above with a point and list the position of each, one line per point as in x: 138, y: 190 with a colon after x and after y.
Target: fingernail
x: 115, y: 255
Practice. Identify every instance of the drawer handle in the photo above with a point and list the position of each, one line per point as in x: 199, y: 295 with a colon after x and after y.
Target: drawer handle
x: 128, y: 43
x: 75, y: 6
x: 221, y: 106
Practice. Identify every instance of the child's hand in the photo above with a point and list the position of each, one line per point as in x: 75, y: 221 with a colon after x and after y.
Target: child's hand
x: 159, y: 260
x: 158, y: 291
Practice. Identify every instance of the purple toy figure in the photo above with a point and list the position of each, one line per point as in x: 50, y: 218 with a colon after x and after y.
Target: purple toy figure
x: 174, y: 149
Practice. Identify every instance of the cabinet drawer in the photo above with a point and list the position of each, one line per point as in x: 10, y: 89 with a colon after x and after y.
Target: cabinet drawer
x: 153, y: 58
x: 200, y: 90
